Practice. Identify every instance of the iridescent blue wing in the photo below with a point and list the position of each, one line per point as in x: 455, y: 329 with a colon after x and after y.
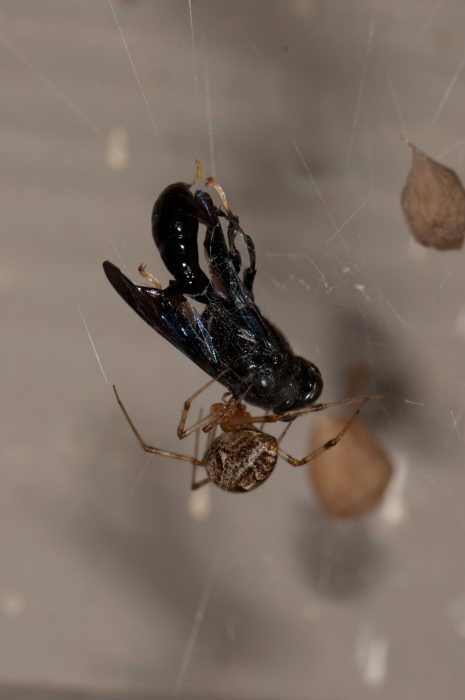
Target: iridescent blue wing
x: 231, y: 303
x: 172, y: 317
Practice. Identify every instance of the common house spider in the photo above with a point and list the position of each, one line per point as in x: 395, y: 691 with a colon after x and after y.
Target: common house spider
x: 243, y: 456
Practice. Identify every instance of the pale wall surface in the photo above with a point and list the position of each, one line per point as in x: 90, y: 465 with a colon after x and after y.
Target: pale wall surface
x: 107, y: 583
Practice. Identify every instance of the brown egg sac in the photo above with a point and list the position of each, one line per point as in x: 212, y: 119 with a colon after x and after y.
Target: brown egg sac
x: 433, y: 201
x: 350, y: 478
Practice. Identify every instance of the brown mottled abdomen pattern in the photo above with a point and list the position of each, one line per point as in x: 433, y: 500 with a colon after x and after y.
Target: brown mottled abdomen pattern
x: 241, y: 461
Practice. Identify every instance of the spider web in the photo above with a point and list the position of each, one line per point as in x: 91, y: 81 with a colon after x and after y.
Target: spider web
x: 115, y: 577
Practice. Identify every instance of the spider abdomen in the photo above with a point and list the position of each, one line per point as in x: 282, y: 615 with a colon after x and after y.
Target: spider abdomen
x: 241, y: 460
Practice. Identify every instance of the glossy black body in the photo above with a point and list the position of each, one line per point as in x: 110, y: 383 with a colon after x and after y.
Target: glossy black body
x: 230, y: 335
x: 175, y: 224
x: 176, y: 216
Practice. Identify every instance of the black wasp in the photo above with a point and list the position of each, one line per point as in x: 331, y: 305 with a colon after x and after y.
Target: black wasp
x: 230, y: 339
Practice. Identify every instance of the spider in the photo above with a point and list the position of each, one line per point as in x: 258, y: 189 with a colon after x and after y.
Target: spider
x: 243, y: 456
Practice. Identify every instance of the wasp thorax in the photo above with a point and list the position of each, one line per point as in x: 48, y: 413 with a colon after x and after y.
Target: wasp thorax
x: 241, y: 460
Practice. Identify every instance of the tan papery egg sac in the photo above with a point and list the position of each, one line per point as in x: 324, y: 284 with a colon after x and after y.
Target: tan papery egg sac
x: 433, y: 202
x: 351, y: 478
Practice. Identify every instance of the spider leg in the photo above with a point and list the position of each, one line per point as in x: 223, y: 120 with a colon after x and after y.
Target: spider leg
x: 229, y: 406
x: 262, y: 425
x: 150, y: 448
x: 182, y: 431
x: 202, y: 482
x: 217, y: 417
x: 326, y: 446
x: 206, y: 480
x: 274, y: 417
x: 195, y: 485
x: 197, y: 436
x: 283, y: 433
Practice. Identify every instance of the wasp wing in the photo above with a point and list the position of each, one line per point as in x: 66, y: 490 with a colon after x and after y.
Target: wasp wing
x: 231, y: 301
x: 171, y: 316
x: 244, y: 338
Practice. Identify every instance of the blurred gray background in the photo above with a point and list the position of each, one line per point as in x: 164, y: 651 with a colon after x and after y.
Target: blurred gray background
x: 113, y: 578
